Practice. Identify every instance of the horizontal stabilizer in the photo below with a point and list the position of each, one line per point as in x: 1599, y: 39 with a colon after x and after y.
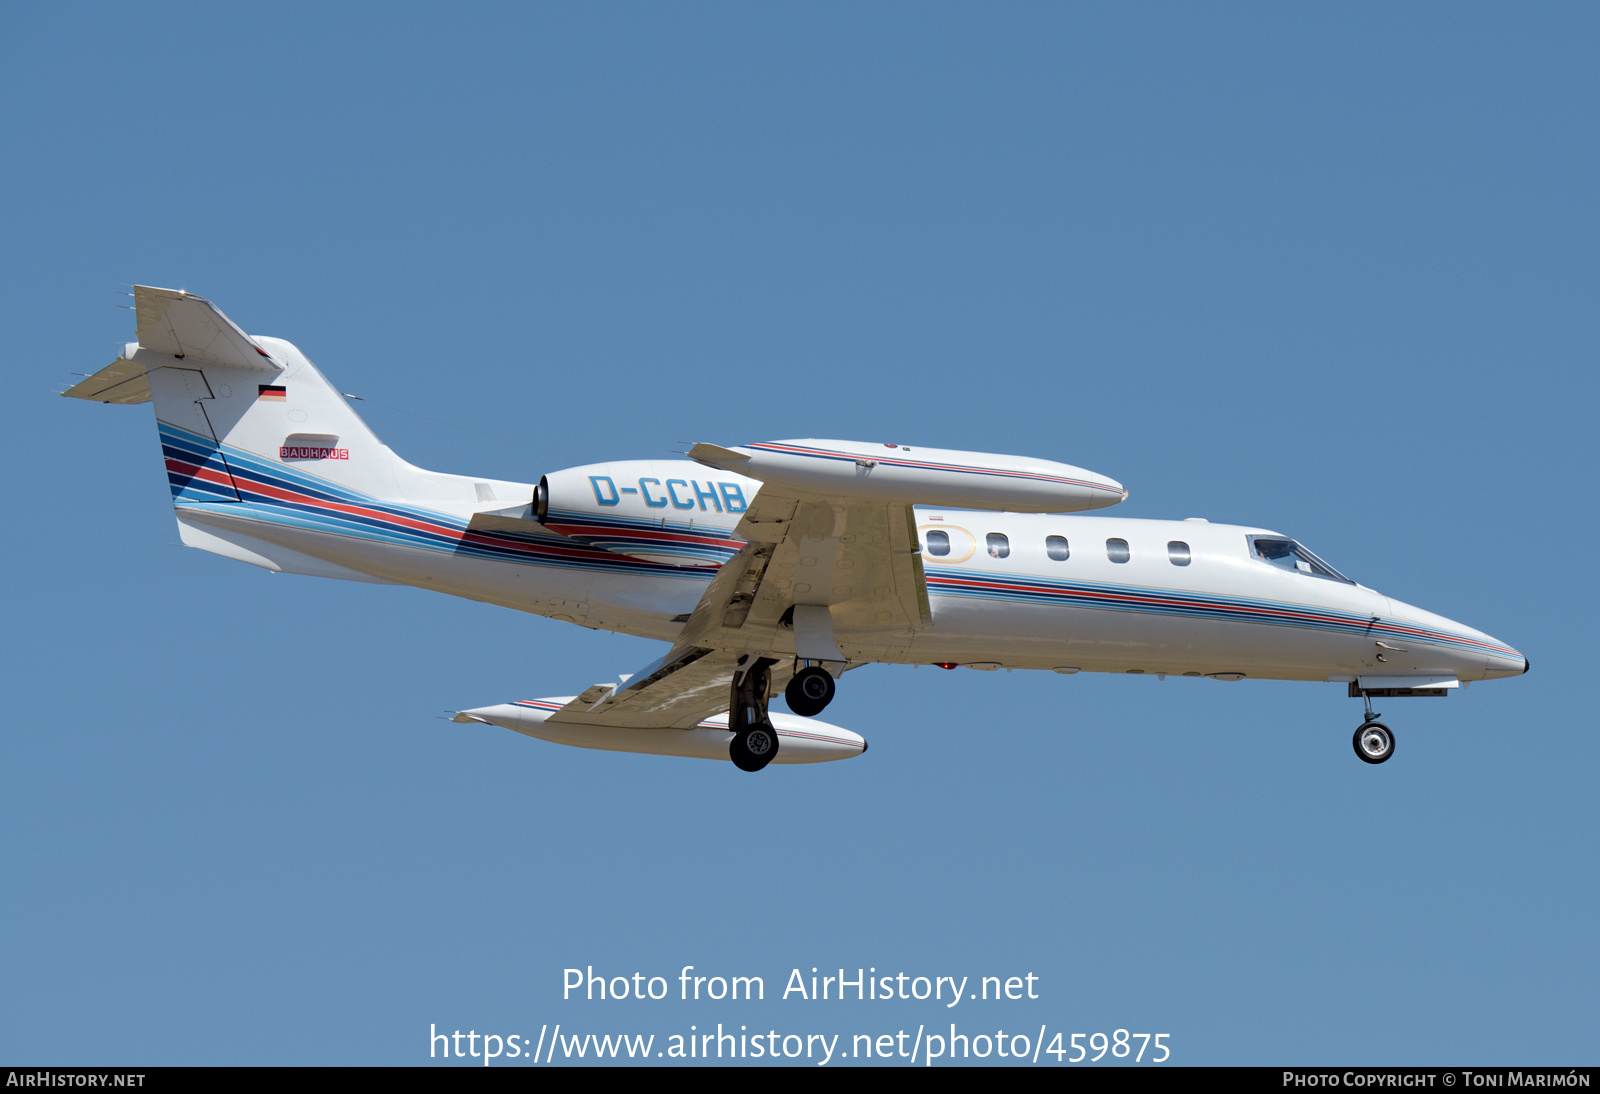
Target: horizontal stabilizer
x: 122, y: 382
x: 191, y: 327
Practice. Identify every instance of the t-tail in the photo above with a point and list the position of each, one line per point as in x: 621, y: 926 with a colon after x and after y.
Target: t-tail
x: 258, y: 444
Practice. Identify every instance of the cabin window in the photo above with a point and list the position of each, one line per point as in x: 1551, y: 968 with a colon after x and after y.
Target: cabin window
x: 999, y: 545
x: 1117, y: 550
x: 938, y: 544
x: 1286, y: 554
x: 1178, y: 553
x: 1056, y: 547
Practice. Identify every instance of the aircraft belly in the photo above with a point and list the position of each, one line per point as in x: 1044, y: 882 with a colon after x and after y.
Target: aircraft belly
x: 642, y: 605
x: 968, y: 631
x: 1023, y: 621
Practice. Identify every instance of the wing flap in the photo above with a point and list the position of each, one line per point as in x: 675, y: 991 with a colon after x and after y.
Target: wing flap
x: 858, y: 556
x: 678, y: 691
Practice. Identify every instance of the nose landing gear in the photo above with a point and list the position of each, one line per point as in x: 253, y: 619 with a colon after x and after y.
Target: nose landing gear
x: 1374, y: 741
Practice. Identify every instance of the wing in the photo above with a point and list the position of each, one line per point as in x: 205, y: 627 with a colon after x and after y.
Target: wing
x: 676, y: 691
x: 857, y: 558
x: 831, y: 570
x: 836, y: 570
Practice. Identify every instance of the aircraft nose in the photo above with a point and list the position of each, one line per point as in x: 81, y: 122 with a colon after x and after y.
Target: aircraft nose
x: 1503, y: 660
x: 1472, y: 653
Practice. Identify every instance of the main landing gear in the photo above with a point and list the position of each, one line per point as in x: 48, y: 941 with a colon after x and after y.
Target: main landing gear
x: 1374, y: 741
x: 810, y: 692
x: 755, y: 742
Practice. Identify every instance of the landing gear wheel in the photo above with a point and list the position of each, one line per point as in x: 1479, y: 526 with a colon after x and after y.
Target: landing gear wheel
x: 755, y: 742
x: 810, y: 692
x: 1373, y: 742
x: 753, y: 749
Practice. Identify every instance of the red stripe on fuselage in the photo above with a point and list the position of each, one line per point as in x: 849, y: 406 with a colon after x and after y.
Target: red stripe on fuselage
x: 457, y: 535
x: 595, y: 531
x: 199, y: 471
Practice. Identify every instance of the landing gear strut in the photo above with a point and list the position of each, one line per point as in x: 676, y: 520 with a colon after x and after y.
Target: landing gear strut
x: 755, y: 742
x: 810, y: 692
x: 1374, y: 741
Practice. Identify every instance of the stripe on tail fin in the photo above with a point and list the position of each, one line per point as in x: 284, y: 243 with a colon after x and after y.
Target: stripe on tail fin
x: 196, y: 467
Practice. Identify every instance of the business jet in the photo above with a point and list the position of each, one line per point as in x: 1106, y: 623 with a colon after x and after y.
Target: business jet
x: 767, y: 567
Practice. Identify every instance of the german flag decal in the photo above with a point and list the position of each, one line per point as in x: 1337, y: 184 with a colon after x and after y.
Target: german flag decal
x: 271, y: 392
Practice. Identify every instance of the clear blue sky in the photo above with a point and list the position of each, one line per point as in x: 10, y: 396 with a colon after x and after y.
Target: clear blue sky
x: 1330, y: 269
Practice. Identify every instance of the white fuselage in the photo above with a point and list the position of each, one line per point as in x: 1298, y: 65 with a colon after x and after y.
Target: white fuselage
x: 293, y: 480
x: 1225, y: 613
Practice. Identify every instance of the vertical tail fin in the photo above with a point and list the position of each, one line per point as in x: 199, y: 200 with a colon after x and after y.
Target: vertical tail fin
x: 249, y: 422
x: 236, y: 413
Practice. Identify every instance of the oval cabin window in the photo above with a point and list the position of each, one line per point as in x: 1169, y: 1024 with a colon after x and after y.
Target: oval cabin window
x: 1117, y: 550
x: 938, y: 544
x: 1178, y: 553
x: 1056, y: 547
x: 999, y: 545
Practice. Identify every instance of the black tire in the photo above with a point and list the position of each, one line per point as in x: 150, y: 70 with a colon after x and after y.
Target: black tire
x: 810, y: 692
x: 753, y: 749
x: 1373, y: 742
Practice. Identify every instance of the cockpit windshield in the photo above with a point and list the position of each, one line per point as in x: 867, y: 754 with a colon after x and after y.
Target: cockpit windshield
x: 1286, y: 554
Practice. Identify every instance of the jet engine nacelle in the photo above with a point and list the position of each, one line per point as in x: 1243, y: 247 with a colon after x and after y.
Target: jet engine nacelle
x: 669, y: 511
x: 926, y: 476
